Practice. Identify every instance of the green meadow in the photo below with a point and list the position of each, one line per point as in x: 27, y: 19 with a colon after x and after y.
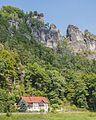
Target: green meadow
x: 55, y: 116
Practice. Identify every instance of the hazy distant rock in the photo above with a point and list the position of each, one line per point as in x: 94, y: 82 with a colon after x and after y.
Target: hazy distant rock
x: 76, y: 38
x: 79, y: 41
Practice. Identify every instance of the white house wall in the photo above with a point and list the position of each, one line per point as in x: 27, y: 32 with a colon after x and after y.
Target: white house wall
x: 36, y: 107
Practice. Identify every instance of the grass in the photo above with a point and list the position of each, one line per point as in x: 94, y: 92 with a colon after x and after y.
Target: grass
x: 65, y: 116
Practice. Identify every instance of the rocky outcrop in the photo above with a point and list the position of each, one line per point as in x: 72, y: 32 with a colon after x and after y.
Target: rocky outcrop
x: 39, y: 17
x: 13, y: 23
x: 48, y: 35
x: 51, y: 37
x: 76, y: 38
x: 90, y: 40
x: 79, y: 41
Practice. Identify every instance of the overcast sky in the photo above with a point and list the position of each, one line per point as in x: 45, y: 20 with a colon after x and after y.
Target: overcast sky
x: 81, y: 13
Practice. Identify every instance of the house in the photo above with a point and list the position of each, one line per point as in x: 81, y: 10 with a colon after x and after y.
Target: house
x: 33, y: 103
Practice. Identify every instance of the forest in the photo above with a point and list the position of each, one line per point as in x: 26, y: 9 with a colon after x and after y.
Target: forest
x: 29, y: 68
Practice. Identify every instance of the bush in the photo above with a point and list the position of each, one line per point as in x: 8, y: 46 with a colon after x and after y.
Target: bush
x: 42, y: 110
x: 8, y: 114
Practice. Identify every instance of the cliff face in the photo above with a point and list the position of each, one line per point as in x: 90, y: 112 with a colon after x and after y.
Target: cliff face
x: 79, y: 41
x: 47, y: 34
x: 32, y: 25
x: 76, y: 38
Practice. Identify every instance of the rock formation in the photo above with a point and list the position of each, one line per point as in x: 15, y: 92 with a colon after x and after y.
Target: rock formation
x: 48, y: 35
x: 51, y: 37
x: 79, y: 41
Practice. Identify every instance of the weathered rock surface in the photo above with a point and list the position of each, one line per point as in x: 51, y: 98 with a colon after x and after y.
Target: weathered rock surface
x: 48, y: 35
x: 79, y: 41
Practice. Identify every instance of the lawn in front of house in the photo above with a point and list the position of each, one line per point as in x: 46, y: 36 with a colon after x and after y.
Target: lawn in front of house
x: 65, y: 116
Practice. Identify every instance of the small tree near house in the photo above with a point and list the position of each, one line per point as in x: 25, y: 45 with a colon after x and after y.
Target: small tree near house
x: 23, y: 106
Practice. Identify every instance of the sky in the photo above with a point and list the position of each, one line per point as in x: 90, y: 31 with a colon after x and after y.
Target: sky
x: 81, y: 13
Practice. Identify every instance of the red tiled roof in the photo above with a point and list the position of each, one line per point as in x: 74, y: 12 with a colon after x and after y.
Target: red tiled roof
x: 33, y: 99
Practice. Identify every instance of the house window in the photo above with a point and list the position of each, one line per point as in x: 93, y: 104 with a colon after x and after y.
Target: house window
x: 31, y: 105
x: 41, y: 105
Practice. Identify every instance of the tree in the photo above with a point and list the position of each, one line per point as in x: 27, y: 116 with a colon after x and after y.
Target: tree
x: 90, y: 81
x: 23, y: 106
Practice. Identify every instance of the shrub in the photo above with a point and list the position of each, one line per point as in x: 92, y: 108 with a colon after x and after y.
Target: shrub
x: 42, y: 110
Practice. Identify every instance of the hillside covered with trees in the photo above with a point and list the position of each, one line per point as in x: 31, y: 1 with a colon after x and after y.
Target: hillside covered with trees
x: 28, y: 67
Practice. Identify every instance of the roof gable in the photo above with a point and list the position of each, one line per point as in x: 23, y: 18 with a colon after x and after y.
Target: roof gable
x: 34, y: 99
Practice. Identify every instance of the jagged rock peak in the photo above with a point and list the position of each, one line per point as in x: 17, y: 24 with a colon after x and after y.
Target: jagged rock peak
x: 74, y: 33
x: 75, y: 28
x: 48, y: 35
x: 79, y: 41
